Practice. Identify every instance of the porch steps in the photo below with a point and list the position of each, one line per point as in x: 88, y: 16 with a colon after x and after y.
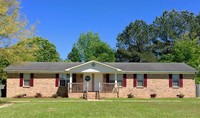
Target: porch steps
x: 93, y: 95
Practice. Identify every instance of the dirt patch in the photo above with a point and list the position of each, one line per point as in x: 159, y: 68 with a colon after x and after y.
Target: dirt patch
x: 5, y: 105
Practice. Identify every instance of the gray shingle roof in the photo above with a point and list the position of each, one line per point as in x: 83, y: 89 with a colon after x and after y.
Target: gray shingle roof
x: 152, y: 66
x: 61, y: 66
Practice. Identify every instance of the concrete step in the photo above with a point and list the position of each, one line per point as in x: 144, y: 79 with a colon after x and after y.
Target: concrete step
x: 92, y: 95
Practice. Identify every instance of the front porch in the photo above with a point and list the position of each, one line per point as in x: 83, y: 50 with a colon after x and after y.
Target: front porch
x: 93, y: 86
x: 93, y: 78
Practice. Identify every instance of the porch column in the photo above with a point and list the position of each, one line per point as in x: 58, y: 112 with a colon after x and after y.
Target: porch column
x: 115, y: 79
x: 70, y: 81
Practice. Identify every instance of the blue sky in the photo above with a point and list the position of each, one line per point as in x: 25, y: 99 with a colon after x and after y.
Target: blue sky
x: 62, y: 21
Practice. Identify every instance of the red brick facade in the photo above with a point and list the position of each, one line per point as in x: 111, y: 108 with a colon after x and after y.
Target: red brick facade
x: 159, y: 84
x: 156, y: 83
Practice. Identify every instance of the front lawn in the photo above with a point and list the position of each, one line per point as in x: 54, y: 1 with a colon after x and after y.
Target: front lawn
x: 62, y: 108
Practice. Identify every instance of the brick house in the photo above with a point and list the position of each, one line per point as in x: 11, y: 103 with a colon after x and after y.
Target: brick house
x: 98, y: 80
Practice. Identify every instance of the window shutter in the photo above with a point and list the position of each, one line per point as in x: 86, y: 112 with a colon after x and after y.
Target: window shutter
x: 57, y: 80
x: 181, y: 80
x: 170, y: 80
x: 134, y: 80
x: 31, y: 80
x: 74, y: 78
x: 124, y: 80
x: 145, y: 80
x: 107, y: 78
x: 82, y: 76
x: 21, y: 79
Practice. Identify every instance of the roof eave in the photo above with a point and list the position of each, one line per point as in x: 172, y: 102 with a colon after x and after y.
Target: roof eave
x: 160, y: 72
x: 35, y: 71
x: 128, y: 72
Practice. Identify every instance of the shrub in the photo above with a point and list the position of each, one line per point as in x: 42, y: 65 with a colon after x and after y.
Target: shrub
x: 130, y: 95
x: 153, y: 95
x: 20, y: 96
x: 181, y: 95
x: 38, y: 95
x: 54, y: 96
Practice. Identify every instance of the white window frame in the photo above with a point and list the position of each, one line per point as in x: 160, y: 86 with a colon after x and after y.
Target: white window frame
x: 119, y: 77
x: 175, y: 77
x: 26, y: 77
x: 65, y: 77
x: 140, y: 80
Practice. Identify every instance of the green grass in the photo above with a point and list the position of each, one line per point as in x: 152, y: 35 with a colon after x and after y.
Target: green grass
x: 131, y: 108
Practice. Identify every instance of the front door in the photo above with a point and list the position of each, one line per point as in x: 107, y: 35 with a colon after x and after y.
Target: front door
x: 88, y: 78
x: 98, y: 78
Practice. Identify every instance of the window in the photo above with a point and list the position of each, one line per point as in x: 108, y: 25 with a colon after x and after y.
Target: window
x: 112, y: 78
x: 26, y: 79
x: 119, y: 79
x: 175, y: 80
x: 140, y: 80
x: 64, y: 79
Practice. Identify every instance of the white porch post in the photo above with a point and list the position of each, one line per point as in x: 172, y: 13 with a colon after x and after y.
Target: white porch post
x: 70, y: 81
x: 115, y: 79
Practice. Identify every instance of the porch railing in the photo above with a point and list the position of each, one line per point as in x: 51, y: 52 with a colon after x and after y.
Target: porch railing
x: 109, y: 88
x: 103, y: 88
x: 78, y: 88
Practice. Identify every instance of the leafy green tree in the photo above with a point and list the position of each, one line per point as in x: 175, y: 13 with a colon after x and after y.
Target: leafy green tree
x: 13, y: 25
x: 99, y: 51
x: 134, y: 44
x: 74, y: 54
x: 196, y: 27
x: 13, y: 28
x: 90, y: 47
x: 186, y: 50
x: 167, y: 28
x: 3, y: 63
x: 44, y: 51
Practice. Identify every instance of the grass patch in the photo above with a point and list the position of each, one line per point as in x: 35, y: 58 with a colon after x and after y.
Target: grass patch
x: 111, y: 108
x: 3, y: 101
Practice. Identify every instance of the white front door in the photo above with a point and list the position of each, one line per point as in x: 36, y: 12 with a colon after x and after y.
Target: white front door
x: 98, y: 78
x: 88, y: 80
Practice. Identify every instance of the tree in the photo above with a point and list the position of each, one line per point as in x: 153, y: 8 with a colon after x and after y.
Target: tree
x: 196, y: 26
x: 186, y: 50
x: 74, y: 55
x: 167, y: 28
x: 44, y: 51
x: 3, y: 63
x: 90, y: 47
x: 133, y: 44
x: 99, y: 51
x: 13, y: 25
x: 13, y: 28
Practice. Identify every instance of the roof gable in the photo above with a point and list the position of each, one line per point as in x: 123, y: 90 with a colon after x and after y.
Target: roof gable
x: 93, y: 66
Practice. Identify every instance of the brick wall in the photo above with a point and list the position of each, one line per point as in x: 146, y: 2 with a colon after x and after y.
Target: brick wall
x: 159, y: 84
x: 45, y: 84
x: 75, y: 95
